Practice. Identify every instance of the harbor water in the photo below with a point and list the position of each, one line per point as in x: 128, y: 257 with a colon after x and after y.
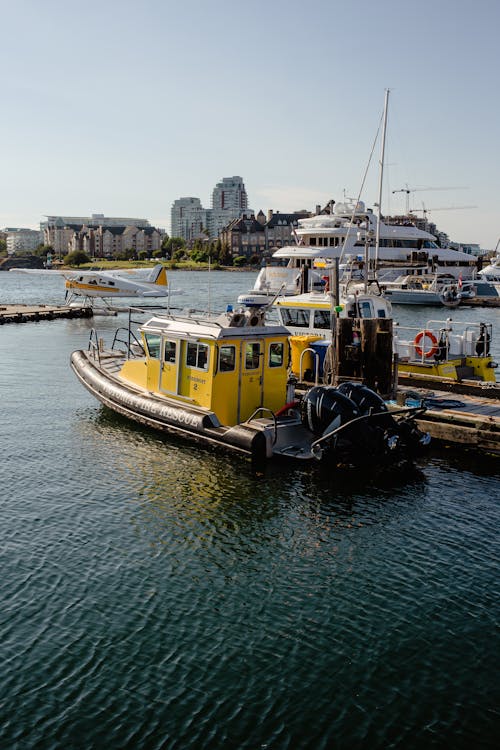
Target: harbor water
x: 157, y: 595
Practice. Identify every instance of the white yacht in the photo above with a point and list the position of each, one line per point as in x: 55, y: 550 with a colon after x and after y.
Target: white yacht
x: 491, y: 272
x: 347, y: 231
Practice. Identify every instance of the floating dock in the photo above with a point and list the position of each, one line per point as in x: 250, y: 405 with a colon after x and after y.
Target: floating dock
x: 481, y: 302
x: 457, y: 419
x: 35, y: 313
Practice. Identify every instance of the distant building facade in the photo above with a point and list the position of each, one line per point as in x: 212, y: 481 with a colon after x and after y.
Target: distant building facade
x: 229, y: 201
x: 95, y: 220
x: 22, y: 240
x: 188, y: 219
x: 191, y: 221
x: 100, y: 237
x: 251, y: 235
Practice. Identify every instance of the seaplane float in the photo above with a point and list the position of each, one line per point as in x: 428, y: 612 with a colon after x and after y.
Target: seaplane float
x: 224, y: 381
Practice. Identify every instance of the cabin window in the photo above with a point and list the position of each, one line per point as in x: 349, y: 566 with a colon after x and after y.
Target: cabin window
x: 153, y: 345
x: 197, y: 355
x: 227, y: 358
x: 312, y: 241
x: 295, y: 317
x: 365, y: 309
x: 252, y: 356
x: 276, y: 354
x: 169, y: 352
x: 321, y: 319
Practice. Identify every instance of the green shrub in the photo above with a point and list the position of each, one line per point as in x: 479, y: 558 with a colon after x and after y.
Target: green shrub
x: 239, y: 261
x: 77, y: 258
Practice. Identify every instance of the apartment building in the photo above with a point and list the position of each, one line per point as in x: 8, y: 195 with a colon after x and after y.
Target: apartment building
x: 252, y: 235
x: 188, y: 219
x: 191, y: 221
x: 20, y: 240
x: 102, y: 240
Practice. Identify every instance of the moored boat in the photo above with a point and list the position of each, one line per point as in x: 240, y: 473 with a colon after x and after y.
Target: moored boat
x: 430, y: 290
x: 225, y: 382
x: 441, y: 349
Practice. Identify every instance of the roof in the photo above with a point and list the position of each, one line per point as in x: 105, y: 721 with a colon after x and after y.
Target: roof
x: 277, y: 218
x: 220, y: 328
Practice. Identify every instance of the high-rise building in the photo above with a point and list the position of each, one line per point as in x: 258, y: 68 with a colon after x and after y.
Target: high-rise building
x: 229, y: 201
x: 188, y: 219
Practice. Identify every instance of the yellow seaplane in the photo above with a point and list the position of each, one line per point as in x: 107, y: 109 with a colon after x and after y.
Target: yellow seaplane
x: 106, y: 285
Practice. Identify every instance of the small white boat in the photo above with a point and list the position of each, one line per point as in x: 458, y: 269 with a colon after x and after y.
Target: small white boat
x: 425, y: 289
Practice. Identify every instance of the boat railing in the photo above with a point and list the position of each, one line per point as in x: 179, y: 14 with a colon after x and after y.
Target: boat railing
x: 94, y: 346
x: 265, y: 410
x: 316, y: 358
x: 443, y: 339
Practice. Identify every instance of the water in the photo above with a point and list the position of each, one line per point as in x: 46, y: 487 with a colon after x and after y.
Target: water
x: 158, y: 595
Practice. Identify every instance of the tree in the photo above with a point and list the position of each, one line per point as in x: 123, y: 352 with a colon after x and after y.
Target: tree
x: 3, y: 248
x: 240, y: 260
x: 127, y: 254
x: 173, y: 244
x: 76, y: 258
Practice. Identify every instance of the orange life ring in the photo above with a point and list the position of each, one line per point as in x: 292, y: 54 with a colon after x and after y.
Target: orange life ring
x: 428, y: 335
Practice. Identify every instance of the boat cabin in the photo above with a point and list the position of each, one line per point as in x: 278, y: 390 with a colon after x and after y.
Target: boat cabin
x: 232, y: 366
x: 311, y: 313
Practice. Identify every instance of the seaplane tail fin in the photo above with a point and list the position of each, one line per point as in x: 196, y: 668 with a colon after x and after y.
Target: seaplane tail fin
x: 158, y: 276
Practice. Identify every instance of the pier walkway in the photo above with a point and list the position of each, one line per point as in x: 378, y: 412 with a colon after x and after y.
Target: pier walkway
x: 34, y: 313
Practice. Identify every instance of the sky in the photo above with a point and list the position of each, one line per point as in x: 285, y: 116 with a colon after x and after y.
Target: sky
x: 122, y: 107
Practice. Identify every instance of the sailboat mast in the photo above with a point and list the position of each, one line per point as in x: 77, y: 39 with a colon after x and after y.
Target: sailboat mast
x: 381, y: 178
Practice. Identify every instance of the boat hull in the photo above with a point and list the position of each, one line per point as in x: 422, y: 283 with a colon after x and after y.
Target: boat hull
x: 164, y: 414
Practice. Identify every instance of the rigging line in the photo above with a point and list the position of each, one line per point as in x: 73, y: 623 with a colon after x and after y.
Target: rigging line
x: 361, y: 189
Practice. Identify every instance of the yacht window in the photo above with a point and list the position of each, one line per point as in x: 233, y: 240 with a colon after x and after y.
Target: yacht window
x: 312, y: 241
x: 295, y: 317
x: 197, y: 355
x: 252, y: 356
x: 169, y: 351
x: 227, y: 358
x: 153, y: 345
x: 321, y: 319
x: 276, y: 354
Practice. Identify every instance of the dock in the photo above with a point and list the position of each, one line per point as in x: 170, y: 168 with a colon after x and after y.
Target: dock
x: 36, y: 313
x: 481, y: 302
x: 458, y: 419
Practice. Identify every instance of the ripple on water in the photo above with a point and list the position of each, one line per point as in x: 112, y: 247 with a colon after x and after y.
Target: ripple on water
x: 154, y: 595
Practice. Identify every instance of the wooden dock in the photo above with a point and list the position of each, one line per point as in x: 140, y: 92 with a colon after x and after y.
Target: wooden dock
x: 481, y: 302
x: 36, y: 313
x: 457, y: 419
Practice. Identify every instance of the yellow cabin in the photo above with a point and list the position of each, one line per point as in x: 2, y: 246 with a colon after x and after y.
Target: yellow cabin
x: 231, y: 366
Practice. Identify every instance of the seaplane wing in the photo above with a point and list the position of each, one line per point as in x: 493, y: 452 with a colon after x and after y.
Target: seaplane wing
x: 120, y: 283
